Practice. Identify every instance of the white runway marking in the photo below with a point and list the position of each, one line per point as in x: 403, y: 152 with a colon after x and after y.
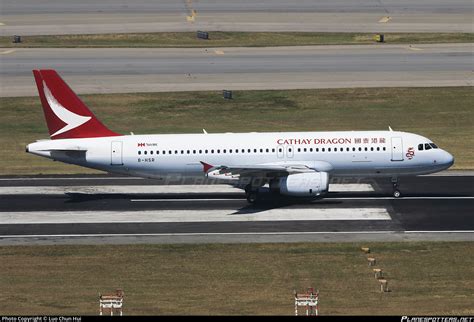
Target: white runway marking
x: 133, y: 189
x: 6, y: 52
x: 180, y: 216
x: 452, y: 173
x: 316, y: 201
x: 414, y: 48
x: 59, y: 190
x: 345, y: 187
x: 70, y: 179
x: 184, y: 199
x: 385, y: 19
x: 402, y: 198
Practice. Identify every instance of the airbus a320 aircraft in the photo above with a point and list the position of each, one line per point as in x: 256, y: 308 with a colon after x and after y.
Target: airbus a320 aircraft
x: 297, y: 164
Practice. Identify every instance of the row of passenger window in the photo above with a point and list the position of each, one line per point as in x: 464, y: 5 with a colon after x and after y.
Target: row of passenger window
x: 280, y: 150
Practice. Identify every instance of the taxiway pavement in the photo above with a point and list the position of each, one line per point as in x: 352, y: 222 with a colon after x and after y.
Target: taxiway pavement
x: 115, y: 70
x: 30, y: 17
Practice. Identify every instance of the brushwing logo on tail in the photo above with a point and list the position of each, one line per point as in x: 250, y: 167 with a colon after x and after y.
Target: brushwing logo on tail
x: 71, y: 119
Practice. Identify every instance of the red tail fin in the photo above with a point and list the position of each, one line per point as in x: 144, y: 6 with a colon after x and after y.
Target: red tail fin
x: 66, y: 115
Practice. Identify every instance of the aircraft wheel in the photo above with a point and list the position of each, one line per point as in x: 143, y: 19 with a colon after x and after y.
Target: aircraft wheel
x: 252, y: 197
x: 397, y: 193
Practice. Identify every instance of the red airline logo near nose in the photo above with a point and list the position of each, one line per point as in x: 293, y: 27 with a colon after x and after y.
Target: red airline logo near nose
x: 410, y: 153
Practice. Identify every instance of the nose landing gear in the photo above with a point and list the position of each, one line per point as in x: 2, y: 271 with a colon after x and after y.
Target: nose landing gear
x: 396, y: 192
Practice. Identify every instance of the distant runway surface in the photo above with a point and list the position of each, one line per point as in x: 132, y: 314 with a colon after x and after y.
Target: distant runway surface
x: 32, y: 17
x: 132, y: 210
x: 145, y: 70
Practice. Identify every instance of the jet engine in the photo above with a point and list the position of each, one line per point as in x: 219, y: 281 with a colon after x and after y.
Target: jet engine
x: 308, y: 184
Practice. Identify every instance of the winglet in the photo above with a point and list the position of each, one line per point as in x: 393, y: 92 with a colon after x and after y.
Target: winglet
x: 206, y: 167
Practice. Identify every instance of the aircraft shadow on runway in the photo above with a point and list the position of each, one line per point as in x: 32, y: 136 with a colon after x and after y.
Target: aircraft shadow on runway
x: 265, y: 202
x: 83, y: 196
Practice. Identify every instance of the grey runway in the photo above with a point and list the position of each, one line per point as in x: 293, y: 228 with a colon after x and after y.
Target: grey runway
x: 433, y: 208
x: 138, y: 70
x: 10, y: 7
x: 28, y: 17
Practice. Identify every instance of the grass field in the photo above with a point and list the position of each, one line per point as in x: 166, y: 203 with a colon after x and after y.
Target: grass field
x: 423, y: 278
x: 443, y: 114
x: 231, y: 39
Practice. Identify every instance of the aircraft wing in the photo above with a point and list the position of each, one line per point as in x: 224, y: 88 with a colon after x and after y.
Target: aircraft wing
x: 265, y: 170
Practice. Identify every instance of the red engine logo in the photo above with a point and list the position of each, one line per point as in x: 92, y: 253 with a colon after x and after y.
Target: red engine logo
x: 410, y: 153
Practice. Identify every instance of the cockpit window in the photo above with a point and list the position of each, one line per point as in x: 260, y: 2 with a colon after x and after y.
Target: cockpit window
x: 434, y: 146
x: 427, y: 146
x: 420, y: 147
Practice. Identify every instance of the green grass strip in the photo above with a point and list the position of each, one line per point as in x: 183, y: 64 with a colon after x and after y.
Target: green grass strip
x: 232, y: 39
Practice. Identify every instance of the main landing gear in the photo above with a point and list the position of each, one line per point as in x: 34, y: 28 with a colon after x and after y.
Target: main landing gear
x: 396, y: 192
x: 251, y: 194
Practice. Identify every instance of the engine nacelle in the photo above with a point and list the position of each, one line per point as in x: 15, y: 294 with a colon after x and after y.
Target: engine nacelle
x: 311, y: 184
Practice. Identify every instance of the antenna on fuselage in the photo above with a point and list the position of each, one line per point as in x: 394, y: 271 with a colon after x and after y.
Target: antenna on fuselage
x: 204, y: 131
x: 390, y: 128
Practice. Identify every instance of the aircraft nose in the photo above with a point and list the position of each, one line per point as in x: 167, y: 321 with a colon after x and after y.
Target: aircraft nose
x: 447, y: 159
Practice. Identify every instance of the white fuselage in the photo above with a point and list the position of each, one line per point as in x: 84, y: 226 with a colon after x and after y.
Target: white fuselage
x: 350, y: 153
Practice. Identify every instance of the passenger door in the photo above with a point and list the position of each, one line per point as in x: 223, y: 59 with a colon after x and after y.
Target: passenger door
x: 116, y: 153
x: 397, y: 149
